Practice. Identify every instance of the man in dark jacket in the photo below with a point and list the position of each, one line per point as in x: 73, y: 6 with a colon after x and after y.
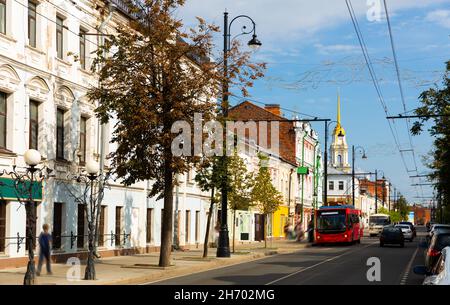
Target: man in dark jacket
x: 45, y: 241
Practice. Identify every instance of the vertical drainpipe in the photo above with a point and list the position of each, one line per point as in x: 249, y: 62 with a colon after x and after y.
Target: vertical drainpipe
x: 316, y: 180
x: 303, y: 176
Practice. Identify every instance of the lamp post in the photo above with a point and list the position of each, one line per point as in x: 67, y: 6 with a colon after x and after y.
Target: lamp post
x: 90, y: 198
x: 354, y: 149
x: 223, y: 249
x: 27, y: 185
x: 325, y: 162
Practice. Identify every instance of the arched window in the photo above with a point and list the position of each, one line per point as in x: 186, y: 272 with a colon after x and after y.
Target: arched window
x: 339, y: 159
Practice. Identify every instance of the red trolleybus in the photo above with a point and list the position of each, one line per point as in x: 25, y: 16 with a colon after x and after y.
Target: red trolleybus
x: 338, y: 224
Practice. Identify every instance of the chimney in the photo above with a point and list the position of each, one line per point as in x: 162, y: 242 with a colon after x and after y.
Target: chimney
x: 274, y: 108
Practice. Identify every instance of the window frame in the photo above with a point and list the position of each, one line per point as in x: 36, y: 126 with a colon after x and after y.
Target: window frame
x: 33, y: 122
x: 60, y: 134
x: 3, y: 22
x: 331, y: 185
x: 32, y: 15
x: 83, y: 140
x: 82, y: 48
x: 341, y: 185
x: 60, y: 30
x: 3, y: 137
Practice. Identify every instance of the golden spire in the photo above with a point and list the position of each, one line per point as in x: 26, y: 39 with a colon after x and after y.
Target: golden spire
x: 339, y: 128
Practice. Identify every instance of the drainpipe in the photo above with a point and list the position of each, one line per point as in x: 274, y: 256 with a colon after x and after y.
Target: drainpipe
x: 101, y: 128
x: 303, y: 176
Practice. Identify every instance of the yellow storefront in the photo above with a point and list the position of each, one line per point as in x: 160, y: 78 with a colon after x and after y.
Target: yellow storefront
x: 279, y: 220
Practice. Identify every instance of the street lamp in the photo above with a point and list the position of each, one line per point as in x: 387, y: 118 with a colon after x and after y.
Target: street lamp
x: 325, y: 155
x: 223, y: 249
x: 27, y: 186
x: 91, y: 198
x: 363, y: 151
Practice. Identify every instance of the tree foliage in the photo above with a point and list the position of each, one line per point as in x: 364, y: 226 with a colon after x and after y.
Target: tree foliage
x: 153, y: 74
x: 436, y: 102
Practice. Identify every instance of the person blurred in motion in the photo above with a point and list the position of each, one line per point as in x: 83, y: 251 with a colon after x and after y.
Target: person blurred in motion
x: 45, y: 241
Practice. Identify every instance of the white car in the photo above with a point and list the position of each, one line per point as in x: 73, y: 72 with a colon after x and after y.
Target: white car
x: 441, y: 272
x: 407, y: 231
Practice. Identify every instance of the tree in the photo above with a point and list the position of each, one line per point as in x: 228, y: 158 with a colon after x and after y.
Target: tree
x: 208, y: 178
x: 264, y: 194
x: 240, y: 185
x: 435, y: 106
x: 153, y: 75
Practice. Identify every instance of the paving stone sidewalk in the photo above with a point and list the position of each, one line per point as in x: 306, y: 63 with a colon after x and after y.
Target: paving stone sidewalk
x: 143, y: 268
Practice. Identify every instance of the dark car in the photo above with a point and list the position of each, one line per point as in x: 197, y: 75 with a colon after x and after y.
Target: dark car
x: 392, y: 235
x: 413, y: 228
x: 439, y: 241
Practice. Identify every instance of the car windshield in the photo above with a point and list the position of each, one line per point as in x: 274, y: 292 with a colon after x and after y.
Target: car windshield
x: 441, y: 241
x: 391, y: 230
x: 402, y: 226
x: 378, y: 220
x: 331, y: 221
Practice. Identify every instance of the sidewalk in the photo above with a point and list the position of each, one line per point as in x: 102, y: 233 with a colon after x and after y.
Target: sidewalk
x: 143, y: 268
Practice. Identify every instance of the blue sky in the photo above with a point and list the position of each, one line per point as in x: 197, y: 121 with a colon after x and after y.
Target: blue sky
x: 312, y: 51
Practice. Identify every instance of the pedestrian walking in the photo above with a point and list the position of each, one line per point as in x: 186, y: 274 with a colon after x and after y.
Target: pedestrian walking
x: 311, y: 231
x: 45, y: 241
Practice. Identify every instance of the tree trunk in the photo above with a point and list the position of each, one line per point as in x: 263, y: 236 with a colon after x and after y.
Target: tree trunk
x: 166, y: 230
x: 89, y: 273
x: 30, y: 274
x: 265, y: 231
x: 234, y: 227
x: 208, y: 225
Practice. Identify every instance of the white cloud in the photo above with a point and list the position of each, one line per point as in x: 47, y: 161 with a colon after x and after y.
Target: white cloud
x: 341, y: 49
x: 441, y: 17
x: 287, y: 20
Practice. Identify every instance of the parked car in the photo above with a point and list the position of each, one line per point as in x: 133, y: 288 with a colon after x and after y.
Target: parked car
x: 439, y: 241
x: 435, y: 227
x: 413, y: 228
x: 440, y: 275
x: 407, y: 231
x: 392, y: 235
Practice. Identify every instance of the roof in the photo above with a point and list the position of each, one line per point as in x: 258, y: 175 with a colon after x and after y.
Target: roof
x: 346, y: 206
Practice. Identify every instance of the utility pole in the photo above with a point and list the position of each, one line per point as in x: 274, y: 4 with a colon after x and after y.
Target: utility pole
x: 376, y: 191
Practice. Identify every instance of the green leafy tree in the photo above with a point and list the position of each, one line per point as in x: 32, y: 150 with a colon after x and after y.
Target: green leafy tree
x: 264, y: 195
x: 240, y: 185
x: 153, y: 74
x: 208, y: 177
x: 435, y: 107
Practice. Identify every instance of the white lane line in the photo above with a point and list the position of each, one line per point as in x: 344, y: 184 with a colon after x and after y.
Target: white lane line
x: 408, y: 267
x: 318, y: 264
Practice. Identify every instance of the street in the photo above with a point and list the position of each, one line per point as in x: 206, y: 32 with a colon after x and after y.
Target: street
x: 323, y: 265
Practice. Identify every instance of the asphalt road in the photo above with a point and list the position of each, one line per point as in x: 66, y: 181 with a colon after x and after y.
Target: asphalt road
x: 323, y: 265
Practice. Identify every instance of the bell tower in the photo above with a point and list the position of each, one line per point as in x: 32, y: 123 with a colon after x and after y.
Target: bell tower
x: 339, y: 147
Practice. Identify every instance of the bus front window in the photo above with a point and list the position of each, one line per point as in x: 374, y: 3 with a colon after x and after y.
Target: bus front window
x: 329, y: 222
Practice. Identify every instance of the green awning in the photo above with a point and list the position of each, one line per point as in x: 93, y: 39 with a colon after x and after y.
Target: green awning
x: 9, y: 192
x: 303, y: 170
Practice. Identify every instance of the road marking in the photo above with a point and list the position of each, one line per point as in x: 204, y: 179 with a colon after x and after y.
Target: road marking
x: 318, y: 264
x: 408, y: 267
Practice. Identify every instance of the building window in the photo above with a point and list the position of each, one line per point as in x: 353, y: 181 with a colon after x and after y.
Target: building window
x: 80, y: 226
x: 3, y: 110
x: 331, y: 185
x: 149, y: 225
x: 118, y: 225
x: 83, y: 140
x: 57, y: 225
x: 188, y: 225
x: 60, y: 134
x: 32, y: 23
x: 197, y: 225
x: 3, y: 16
x: 2, y: 225
x: 101, y: 227
x: 341, y: 185
x: 83, y: 49
x: 59, y: 37
x: 34, y: 124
